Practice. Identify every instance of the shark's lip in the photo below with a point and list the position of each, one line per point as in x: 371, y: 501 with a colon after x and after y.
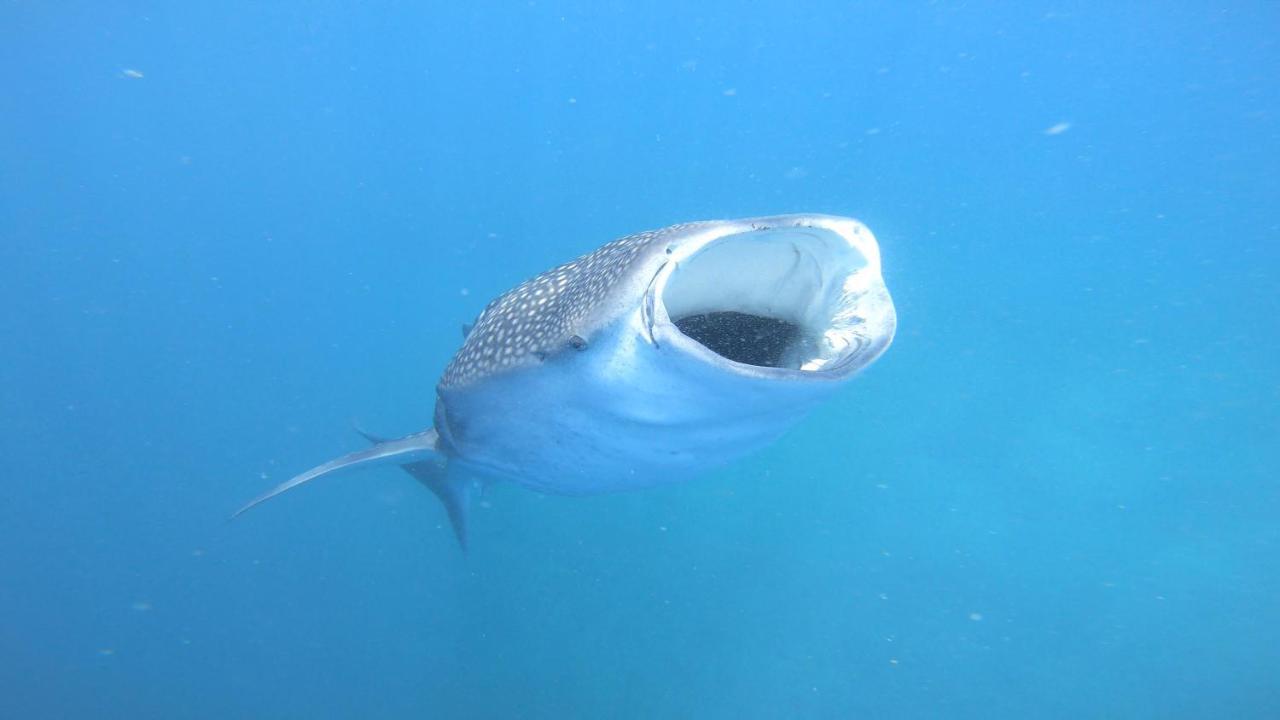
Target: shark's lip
x: 835, y: 291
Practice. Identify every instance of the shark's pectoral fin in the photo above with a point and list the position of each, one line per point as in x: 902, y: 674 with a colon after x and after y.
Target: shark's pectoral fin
x: 419, y: 447
x: 374, y: 439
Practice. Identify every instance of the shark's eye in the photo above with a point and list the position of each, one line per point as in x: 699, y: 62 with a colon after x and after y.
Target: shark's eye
x: 773, y: 298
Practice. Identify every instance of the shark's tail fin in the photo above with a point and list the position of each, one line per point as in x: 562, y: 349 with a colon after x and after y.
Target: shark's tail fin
x: 418, y: 454
x: 454, y: 492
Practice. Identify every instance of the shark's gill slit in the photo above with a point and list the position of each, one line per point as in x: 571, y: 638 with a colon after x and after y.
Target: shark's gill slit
x: 773, y: 298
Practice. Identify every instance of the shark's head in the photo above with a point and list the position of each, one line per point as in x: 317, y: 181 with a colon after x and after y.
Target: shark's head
x: 665, y: 353
x: 796, y: 297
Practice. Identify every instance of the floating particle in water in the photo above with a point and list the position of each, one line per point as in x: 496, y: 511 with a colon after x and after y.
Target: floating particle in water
x: 141, y: 606
x: 1057, y: 129
x: 131, y: 73
x: 975, y: 616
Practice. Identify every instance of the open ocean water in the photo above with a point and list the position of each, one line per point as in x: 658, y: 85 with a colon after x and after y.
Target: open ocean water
x: 227, y: 230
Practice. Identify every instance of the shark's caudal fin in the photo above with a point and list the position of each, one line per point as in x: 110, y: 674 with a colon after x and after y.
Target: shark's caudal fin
x: 454, y: 493
x: 417, y: 454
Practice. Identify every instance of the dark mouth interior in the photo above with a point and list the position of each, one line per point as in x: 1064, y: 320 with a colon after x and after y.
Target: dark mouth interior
x: 745, y: 338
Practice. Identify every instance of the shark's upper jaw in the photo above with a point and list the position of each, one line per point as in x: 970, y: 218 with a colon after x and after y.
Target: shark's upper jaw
x: 800, y: 299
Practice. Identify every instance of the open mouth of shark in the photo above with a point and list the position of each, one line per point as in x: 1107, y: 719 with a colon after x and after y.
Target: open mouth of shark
x: 806, y: 298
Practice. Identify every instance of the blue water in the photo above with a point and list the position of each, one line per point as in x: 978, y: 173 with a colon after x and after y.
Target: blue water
x: 229, y: 229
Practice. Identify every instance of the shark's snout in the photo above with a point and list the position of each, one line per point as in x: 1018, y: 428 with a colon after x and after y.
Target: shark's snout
x: 803, y: 298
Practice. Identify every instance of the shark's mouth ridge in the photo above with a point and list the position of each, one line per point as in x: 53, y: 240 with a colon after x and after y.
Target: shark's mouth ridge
x: 805, y: 298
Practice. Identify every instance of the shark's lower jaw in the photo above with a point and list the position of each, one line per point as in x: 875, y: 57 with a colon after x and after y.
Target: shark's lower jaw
x: 805, y: 299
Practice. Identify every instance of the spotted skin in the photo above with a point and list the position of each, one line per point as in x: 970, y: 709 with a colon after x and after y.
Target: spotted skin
x: 542, y: 314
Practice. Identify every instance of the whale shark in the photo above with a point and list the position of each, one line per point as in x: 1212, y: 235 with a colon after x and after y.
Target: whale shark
x: 653, y: 359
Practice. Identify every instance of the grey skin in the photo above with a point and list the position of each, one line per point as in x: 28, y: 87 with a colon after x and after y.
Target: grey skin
x: 652, y: 359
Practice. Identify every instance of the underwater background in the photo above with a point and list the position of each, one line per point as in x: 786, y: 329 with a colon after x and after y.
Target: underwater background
x: 229, y: 230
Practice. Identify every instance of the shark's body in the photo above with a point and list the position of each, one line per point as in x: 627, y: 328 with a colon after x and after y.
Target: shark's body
x: 652, y: 359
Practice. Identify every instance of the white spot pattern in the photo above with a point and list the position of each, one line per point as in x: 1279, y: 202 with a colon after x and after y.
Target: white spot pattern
x: 541, y: 315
